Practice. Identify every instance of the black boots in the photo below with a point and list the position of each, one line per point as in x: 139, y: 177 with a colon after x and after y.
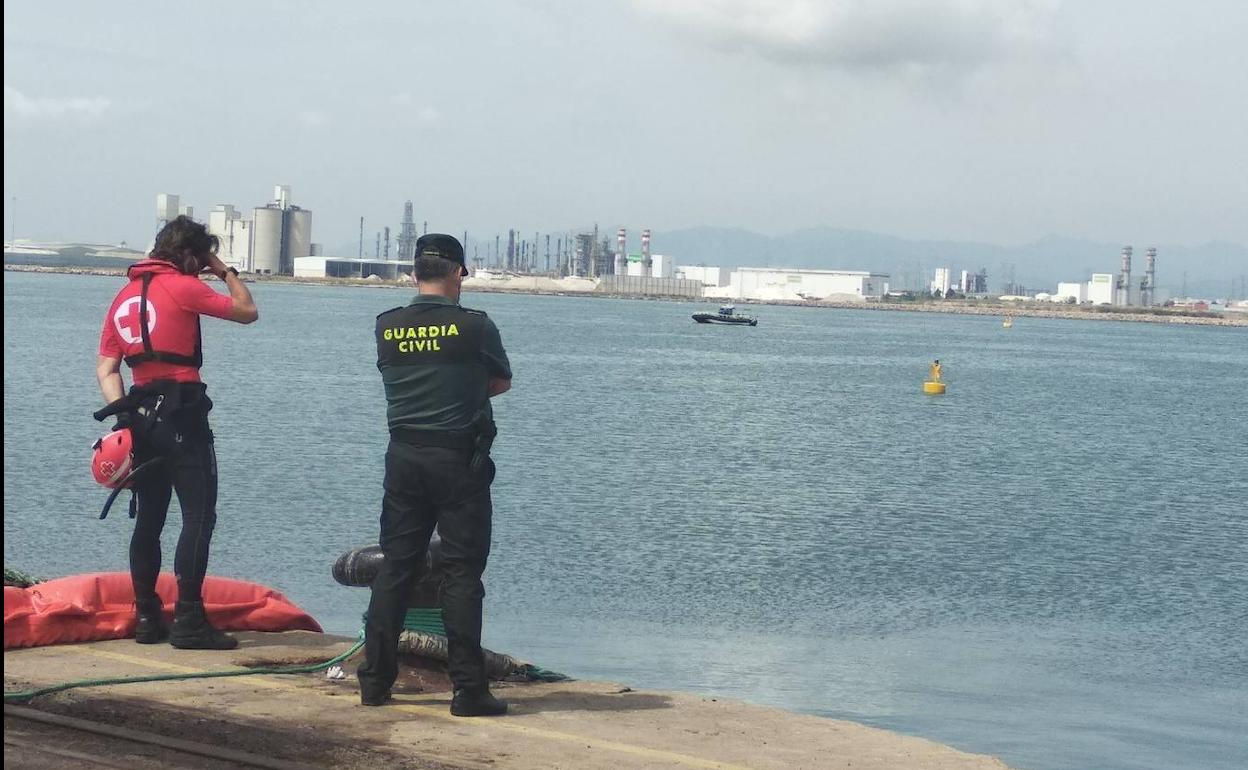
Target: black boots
x: 150, y: 627
x: 367, y: 699
x: 477, y: 703
x: 465, y: 703
x: 192, y: 631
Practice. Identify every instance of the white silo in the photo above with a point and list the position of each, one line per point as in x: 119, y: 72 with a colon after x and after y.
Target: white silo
x: 166, y: 209
x: 298, y: 237
x: 266, y: 250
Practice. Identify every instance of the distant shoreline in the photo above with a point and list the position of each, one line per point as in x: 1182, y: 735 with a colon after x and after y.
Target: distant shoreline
x: 956, y: 307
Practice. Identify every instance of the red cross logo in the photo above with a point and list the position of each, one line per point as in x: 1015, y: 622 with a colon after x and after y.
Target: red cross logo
x: 126, y: 319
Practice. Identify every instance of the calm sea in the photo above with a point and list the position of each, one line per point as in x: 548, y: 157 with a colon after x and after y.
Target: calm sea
x: 1048, y: 564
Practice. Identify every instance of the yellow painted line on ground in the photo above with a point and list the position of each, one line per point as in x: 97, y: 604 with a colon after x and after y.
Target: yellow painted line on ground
x: 441, y: 712
x: 121, y: 657
x: 586, y: 741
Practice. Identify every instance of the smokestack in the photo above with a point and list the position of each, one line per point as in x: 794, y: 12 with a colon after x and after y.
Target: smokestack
x: 386, y: 253
x: 1148, y: 288
x: 645, y: 251
x: 1124, y: 279
x: 621, y: 256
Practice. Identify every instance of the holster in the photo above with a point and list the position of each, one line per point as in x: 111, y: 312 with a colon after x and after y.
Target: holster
x: 483, y: 422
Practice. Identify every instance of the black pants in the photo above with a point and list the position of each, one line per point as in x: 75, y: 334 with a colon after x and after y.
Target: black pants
x: 425, y: 487
x: 189, y: 467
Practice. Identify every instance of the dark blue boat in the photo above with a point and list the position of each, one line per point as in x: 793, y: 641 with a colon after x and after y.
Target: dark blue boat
x: 727, y: 315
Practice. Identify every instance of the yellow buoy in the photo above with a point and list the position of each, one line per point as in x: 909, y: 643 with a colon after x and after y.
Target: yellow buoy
x: 933, y: 388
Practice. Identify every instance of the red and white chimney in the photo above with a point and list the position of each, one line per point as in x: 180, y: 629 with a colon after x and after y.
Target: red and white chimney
x: 621, y: 255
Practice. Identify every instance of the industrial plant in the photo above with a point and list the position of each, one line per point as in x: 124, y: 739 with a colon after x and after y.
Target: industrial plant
x: 266, y: 243
x: 1099, y: 289
x: 275, y: 238
x: 1105, y: 289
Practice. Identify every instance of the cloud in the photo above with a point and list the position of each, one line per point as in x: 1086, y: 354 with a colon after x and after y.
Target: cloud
x: 18, y: 104
x: 405, y: 102
x: 313, y: 118
x: 886, y: 35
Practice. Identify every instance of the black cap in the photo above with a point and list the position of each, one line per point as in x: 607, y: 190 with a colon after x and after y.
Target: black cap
x: 442, y: 245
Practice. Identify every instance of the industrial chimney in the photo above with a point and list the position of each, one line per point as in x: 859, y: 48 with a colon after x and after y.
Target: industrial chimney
x: 645, y: 253
x: 1124, y: 279
x: 1148, y: 287
x: 621, y: 255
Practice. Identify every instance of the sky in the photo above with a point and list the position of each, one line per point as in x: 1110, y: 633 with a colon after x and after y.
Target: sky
x: 1001, y: 121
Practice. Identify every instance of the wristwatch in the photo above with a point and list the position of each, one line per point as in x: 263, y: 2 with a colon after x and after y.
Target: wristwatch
x: 230, y: 269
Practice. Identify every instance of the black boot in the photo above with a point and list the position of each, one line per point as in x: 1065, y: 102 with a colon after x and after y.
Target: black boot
x: 477, y: 703
x: 192, y: 631
x: 370, y: 699
x: 150, y: 625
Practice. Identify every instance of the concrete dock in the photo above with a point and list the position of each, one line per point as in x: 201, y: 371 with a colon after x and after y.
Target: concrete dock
x: 309, y: 720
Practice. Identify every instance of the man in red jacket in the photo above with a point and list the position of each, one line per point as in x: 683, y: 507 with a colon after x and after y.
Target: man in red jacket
x: 153, y: 325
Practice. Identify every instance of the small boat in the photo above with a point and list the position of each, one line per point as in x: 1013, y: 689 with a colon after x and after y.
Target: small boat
x: 727, y: 315
x: 1008, y: 323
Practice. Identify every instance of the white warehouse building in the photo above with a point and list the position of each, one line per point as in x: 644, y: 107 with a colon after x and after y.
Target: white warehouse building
x: 344, y: 267
x: 708, y: 276
x: 799, y: 284
x: 1071, y: 291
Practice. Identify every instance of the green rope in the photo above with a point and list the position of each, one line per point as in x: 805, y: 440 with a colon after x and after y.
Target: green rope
x: 13, y: 577
x: 533, y: 673
x: 427, y: 620
x: 25, y: 695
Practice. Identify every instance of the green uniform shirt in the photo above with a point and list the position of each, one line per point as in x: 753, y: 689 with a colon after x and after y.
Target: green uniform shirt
x: 436, y: 360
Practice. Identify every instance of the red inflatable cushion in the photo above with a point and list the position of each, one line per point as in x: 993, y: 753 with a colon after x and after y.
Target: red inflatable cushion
x: 89, y: 608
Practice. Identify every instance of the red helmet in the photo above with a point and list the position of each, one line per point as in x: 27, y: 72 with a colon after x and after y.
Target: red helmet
x: 113, y: 458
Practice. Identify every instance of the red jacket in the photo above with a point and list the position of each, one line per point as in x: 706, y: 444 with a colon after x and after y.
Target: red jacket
x: 174, y: 303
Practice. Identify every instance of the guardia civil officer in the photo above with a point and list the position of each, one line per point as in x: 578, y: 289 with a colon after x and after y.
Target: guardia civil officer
x: 153, y: 325
x: 441, y: 364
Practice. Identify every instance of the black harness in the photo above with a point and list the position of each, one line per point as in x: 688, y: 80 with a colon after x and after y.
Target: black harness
x: 140, y: 418
x: 149, y: 354
x: 145, y: 408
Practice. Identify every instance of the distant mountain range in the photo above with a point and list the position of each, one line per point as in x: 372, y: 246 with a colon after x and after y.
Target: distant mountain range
x: 1212, y: 269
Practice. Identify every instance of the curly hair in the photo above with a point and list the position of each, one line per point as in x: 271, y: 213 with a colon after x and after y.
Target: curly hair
x: 186, y: 244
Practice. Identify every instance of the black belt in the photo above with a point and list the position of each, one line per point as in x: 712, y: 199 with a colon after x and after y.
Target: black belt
x: 449, y: 439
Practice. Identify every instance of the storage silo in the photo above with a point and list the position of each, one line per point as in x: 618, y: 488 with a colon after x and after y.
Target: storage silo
x: 298, y: 237
x: 166, y: 209
x: 266, y: 255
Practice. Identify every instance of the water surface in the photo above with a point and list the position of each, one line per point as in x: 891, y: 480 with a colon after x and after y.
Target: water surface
x: 1048, y: 564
